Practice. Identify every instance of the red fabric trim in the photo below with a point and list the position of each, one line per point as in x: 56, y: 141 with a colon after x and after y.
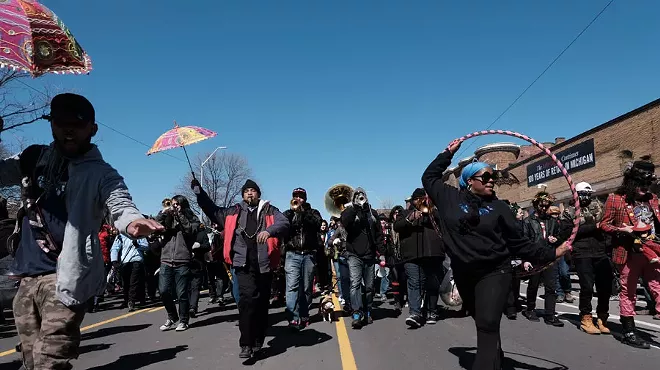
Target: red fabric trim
x: 230, y: 228
x: 273, y: 245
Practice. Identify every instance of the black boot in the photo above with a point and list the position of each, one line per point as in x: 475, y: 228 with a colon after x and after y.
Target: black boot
x: 629, y: 336
x: 246, y: 352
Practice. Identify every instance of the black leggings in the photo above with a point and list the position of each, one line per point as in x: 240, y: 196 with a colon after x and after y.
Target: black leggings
x: 484, y: 297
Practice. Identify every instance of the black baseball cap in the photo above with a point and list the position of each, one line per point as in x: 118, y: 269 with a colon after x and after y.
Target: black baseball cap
x: 70, y: 106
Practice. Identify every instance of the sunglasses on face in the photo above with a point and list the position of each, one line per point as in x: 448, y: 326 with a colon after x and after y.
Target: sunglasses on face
x: 486, y: 177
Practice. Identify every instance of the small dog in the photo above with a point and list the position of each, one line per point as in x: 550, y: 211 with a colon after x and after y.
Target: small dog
x: 327, y: 308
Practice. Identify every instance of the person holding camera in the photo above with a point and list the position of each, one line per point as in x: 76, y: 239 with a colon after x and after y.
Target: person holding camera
x: 364, y: 237
x: 181, y: 230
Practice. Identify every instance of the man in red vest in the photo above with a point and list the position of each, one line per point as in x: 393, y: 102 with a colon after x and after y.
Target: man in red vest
x: 252, y: 230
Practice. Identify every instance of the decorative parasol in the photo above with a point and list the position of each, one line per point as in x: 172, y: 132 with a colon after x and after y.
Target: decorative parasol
x: 179, y: 137
x: 33, y: 39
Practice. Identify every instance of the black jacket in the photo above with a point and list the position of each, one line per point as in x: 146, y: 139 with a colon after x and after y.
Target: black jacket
x: 304, y: 230
x: 532, y: 229
x: 590, y: 241
x: 364, y: 236
x: 492, y: 242
x: 418, y: 237
x: 180, y: 234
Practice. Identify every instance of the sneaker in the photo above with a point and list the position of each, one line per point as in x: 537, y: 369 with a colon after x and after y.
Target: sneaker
x: 257, y: 347
x: 131, y: 306
x: 169, y: 325
x: 294, y: 324
x: 432, y: 318
x: 342, y: 301
x: 414, y: 321
x: 569, y: 298
x: 213, y: 300
x: 561, y: 298
x: 378, y: 296
x: 192, y: 313
x: 554, y: 321
x: 182, y: 326
x: 358, y: 320
x: 531, y: 315
x: 246, y: 352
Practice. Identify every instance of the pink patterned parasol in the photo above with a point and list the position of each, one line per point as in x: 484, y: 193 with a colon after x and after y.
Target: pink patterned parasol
x: 179, y: 137
x: 33, y: 39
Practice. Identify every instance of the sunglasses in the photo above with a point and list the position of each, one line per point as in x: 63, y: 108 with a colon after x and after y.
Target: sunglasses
x: 486, y: 177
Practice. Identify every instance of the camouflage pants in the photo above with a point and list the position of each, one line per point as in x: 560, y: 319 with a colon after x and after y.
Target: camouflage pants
x: 49, y: 330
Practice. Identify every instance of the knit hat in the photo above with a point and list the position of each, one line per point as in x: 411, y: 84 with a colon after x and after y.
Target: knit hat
x: 300, y: 192
x: 249, y: 184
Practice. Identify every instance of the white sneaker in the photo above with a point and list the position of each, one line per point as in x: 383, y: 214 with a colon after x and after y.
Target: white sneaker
x: 169, y: 325
x: 342, y: 301
x: 182, y: 327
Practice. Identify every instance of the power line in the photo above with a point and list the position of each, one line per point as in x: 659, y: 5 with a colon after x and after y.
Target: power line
x: 540, y: 75
x: 108, y: 127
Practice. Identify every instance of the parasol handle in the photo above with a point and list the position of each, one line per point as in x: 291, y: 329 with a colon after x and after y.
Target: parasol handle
x: 189, y: 164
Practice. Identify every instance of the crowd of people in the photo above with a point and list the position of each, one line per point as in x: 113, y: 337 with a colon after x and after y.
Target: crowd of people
x: 70, y: 256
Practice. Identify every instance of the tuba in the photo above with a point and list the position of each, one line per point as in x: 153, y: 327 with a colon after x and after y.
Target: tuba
x: 336, y: 197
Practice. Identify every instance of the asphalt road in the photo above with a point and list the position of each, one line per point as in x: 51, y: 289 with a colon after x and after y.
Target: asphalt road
x: 113, y: 339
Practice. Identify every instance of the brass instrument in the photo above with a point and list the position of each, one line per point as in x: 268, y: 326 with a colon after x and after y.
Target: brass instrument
x: 336, y: 197
x: 166, y: 203
x: 296, y: 205
x: 422, y: 205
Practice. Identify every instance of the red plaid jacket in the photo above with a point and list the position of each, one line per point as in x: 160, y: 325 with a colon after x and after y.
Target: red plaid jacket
x: 617, y: 213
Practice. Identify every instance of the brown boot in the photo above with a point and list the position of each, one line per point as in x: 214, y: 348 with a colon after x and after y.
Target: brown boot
x: 602, y: 324
x: 587, y: 325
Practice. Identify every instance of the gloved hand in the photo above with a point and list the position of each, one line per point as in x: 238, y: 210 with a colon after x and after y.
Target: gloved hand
x: 196, y: 186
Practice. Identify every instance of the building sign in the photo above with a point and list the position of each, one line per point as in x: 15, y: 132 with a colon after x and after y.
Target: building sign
x: 574, y: 159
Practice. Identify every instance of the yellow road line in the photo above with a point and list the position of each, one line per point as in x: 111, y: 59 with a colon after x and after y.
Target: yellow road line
x: 156, y: 309
x: 345, y: 350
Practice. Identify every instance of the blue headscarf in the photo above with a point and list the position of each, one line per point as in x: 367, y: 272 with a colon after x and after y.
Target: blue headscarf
x: 469, y: 171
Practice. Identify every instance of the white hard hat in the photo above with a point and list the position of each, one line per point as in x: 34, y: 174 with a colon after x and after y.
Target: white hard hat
x: 584, y: 187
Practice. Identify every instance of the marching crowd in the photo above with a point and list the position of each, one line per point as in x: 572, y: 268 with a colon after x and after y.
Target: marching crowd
x: 80, y: 238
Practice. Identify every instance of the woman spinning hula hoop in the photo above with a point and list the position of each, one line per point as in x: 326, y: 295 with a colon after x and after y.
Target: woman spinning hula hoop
x: 481, y: 236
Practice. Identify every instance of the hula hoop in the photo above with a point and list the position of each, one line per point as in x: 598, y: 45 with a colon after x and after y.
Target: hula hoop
x: 576, y: 221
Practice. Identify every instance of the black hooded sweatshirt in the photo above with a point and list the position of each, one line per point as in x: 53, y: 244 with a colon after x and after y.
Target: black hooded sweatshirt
x: 493, y: 241
x: 364, y: 235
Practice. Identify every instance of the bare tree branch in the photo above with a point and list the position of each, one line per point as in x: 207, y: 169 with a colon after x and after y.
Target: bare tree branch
x: 19, y: 102
x: 387, y: 203
x: 224, y: 176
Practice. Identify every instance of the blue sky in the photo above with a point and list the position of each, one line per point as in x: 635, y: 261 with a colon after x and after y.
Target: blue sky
x: 360, y: 92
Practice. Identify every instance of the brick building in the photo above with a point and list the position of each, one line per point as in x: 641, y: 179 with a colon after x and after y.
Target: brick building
x: 596, y: 156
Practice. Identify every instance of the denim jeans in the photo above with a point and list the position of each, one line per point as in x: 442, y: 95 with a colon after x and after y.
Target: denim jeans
x: 563, y: 277
x: 335, y: 263
x: 424, y: 278
x: 175, y: 282
x: 345, y: 280
x: 384, y: 284
x: 299, y: 272
x: 234, y: 285
x: 361, y: 270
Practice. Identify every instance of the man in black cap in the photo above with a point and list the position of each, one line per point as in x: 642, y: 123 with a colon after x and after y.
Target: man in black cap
x: 252, y: 230
x: 65, y: 188
x: 422, y: 252
x: 301, y: 247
